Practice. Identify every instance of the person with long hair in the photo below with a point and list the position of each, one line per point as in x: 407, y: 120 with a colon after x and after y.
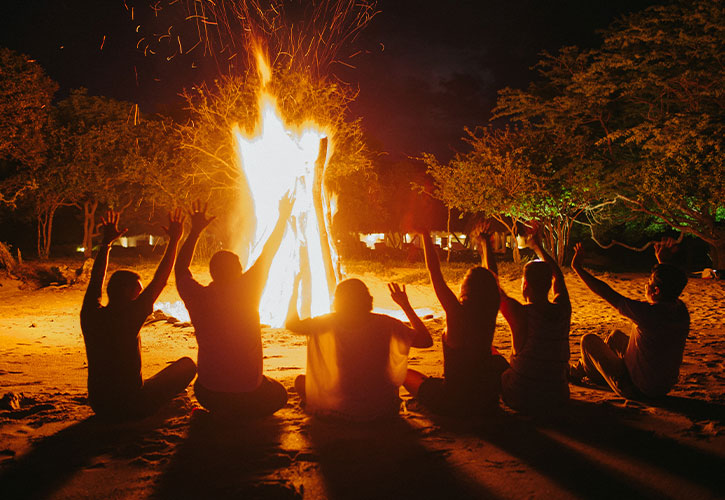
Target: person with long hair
x: 471, y: 378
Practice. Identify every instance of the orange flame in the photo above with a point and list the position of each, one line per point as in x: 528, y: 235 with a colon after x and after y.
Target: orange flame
x: 276, y: 158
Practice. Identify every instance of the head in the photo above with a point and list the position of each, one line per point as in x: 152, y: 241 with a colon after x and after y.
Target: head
x: 480, y: 289
x: 352, y: 298
x: 224, y: 265
x: 123, y: 286
x: 537, y: 281
x: 665, y: 283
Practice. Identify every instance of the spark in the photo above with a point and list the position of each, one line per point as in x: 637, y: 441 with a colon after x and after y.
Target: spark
x: 310, y: 35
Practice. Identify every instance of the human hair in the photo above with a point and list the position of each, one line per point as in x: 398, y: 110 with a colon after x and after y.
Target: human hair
x: 670, y: 280
x: 121, y: 284
x: 480, y: 289
x: 224, y: 265
x: 480, y: 299
x: 352, y: 297
x: 538, y: 277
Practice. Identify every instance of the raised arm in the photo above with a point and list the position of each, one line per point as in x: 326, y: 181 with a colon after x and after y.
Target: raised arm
x: 422, y: 337
x: 665, y: 250
x: 293, y: 321
x: 533, y: 240
x: 446, y: 297
x: 110, y: 232
x: 260, y: 269
x: 174, y: 230
x: 199, y: 221
x: 595, y: 285
x: 482, y: 234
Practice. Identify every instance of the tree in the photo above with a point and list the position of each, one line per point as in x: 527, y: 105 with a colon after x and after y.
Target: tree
x: 516, y: 174
x: 666, y: 64
x: 100, y: 142
x: 25, y: 96
x: 647, y: 107
x: 53, y: 188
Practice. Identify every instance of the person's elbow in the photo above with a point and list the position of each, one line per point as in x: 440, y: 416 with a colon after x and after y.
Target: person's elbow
x: 293, y: 325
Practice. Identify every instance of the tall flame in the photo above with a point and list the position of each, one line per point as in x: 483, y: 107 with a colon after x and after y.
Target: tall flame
x: 277, y: 158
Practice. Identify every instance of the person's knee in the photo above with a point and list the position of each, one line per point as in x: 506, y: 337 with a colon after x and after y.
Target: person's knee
x: 590, y: 342
x: 300, y: 381
x: 280, y: 393
x: 617, y: 337
x: 413, y: 380
x: 187, y: 366
x: 283, y: 396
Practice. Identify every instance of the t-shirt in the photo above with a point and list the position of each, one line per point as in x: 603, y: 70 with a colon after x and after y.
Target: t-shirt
x: 111, y: 335
x: 226, y: 323
x: 537, y: 376
x: 656, y: 343
x: 354, y: 370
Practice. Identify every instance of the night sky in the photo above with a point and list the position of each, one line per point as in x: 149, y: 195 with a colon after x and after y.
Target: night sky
x: 426, y: 70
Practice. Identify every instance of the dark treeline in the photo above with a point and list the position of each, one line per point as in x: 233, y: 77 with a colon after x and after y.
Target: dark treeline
x: 620, y: 142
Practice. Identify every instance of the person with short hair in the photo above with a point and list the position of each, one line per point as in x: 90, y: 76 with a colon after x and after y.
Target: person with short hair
x: 471, y: 367
x: 225, y: 315
x: 537, y: 377
x: 646, y: 363
x: 116, y: 388
x: 356, y: 359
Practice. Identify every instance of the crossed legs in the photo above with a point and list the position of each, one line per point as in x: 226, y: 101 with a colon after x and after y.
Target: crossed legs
x: 603, y: 362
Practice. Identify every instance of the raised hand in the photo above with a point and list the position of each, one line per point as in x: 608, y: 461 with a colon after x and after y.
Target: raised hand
x: 576, y: 261
x: 175, y: 228
x: 109, y: 227
x: 285, y: 205
x: 420, y: 228
x: 533, y: 235
x: 665, y: 249
x: 199, y: 217
x: 482, y: 230
x: 397, y: 293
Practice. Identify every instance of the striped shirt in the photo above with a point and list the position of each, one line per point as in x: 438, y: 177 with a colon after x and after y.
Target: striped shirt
x: 537, y: 376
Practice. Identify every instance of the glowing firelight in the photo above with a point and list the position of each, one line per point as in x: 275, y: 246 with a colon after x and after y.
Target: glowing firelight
x: 276, y: 158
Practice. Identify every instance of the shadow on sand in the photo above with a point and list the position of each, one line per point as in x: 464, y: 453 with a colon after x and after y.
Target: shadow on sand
x: 224, y: 459
x: 54, y: 460
x: 385, y: 460
x: 597, y: 451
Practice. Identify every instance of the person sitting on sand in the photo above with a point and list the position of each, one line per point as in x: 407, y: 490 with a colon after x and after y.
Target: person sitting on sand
x: 356, y: 359
x: 537, y: 377
x: 471, y: 368
x: 647, y: 362
x: 225, y: 315
x: 111, y: 333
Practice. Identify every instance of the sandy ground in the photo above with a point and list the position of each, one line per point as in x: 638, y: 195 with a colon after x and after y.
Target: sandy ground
x: 600, y: 446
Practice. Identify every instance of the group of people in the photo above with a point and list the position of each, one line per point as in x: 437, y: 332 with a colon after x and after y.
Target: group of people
x: 357, y: 359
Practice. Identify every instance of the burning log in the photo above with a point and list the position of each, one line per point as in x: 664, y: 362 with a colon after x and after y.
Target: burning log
x: 321, y: 211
